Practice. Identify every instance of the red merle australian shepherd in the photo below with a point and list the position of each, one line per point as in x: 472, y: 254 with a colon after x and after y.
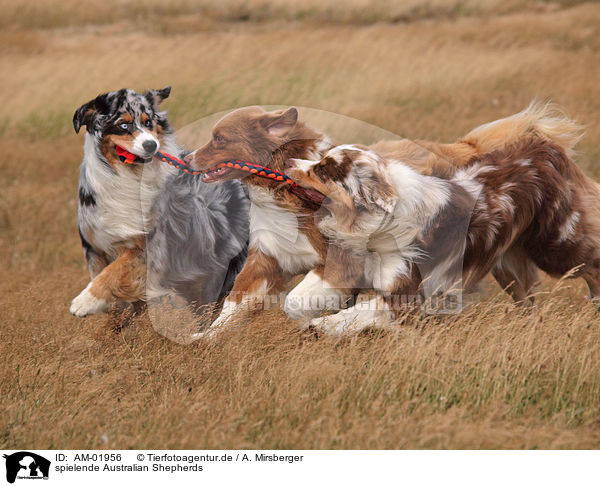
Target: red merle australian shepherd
x: 513, y: 211
x: 287, y: 237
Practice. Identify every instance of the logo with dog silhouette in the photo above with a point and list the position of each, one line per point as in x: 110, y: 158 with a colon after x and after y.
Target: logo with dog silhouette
x: 26, y: 465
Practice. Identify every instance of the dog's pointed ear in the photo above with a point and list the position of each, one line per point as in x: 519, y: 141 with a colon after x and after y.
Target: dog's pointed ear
x: 280, y: 122
x: 86, y: 114
x: 156, y: 96
x: 374, y: 191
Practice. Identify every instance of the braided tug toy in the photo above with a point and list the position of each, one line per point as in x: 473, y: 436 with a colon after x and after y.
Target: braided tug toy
x: 253, y: 169
x: 128, y: 158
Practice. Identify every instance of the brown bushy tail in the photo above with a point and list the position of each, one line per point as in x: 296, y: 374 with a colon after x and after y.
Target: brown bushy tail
x: 544, y: 120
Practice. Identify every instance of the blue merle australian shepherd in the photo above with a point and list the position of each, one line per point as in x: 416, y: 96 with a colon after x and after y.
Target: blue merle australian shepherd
x: 147, y: 230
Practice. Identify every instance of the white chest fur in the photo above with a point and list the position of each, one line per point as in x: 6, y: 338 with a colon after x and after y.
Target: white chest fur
x: 275, y: 232
x: 123, y: 198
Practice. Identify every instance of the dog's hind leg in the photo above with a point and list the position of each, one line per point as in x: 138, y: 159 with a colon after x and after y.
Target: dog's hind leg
x: 518, y: 275
x: 591, y: 275
x: 123, y: 279
x: 122, y: 314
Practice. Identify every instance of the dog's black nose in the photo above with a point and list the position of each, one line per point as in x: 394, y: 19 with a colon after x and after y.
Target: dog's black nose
x: 150, y: 146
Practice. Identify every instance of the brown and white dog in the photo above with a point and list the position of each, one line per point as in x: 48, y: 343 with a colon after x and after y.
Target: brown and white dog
x: 513, y: 211
x: 284, y: 237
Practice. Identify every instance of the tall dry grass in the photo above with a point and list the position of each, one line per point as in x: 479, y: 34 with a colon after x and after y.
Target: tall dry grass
x: 491, y: 377
x: 160, y: 14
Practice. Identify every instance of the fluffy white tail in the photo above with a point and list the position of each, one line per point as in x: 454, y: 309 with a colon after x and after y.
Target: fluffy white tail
x: 544, y: 120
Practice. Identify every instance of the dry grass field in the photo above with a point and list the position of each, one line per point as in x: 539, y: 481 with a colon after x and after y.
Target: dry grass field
x: 492, y: 377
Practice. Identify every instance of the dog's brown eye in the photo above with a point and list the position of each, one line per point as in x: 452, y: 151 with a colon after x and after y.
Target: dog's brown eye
x: 219, y: 138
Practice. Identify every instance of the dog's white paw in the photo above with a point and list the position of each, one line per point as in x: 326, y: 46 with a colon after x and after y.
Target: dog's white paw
x: 208, y: 334
x: 86, y: 304
x: 196, y: 336
x: 228, y: 310
x: 329, y: 325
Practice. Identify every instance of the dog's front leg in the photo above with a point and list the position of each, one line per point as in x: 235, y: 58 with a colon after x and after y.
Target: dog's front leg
x: 261, y: 277
x: 327, y: 288
x: 124, y: 279
x: 313, y: 296
x: 367, y: 313
x: 89, y: 302
x: 374, y: 311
